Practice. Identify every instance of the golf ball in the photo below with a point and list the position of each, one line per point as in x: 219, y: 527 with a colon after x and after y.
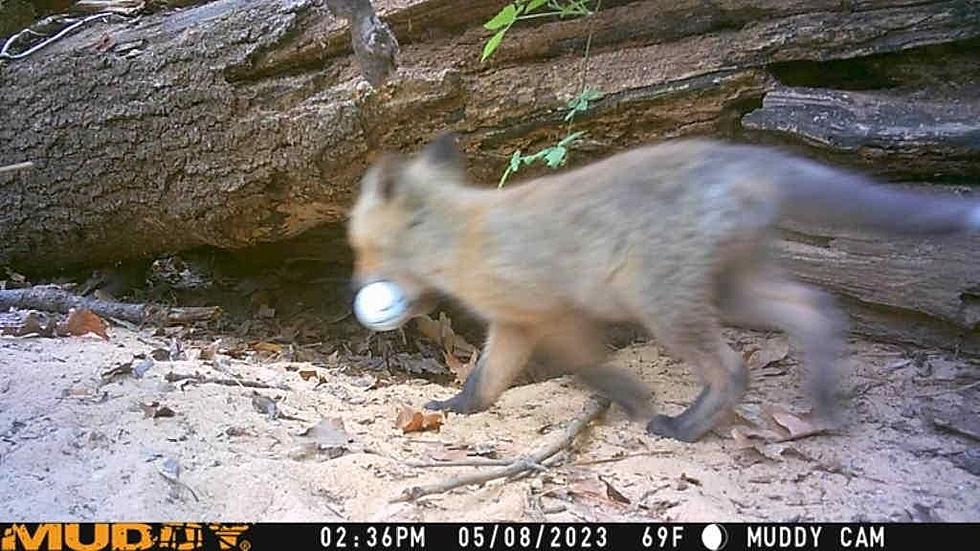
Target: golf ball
x: 380, y: 306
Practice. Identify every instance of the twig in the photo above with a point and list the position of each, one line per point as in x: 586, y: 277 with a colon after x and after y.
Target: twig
x: 4, y: 52
x: 621, y: 458
x: 54, y: 299
x: 174, y: 377
x: 948, y: 426
x: 16, y: 166
x: 948, y: 390
x: 528, y: 462
x: 462, y: 463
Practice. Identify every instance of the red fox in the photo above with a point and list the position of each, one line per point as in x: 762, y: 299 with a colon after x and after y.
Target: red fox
x: 673, y: 236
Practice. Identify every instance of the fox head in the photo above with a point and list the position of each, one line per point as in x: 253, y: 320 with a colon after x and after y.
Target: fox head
x: 397, y: 230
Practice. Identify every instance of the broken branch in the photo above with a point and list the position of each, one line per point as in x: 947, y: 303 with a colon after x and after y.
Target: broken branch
x: 54, y: 299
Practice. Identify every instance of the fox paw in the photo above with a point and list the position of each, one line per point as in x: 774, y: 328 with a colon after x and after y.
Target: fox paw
x: 670, y: 427
x: 456, y: 404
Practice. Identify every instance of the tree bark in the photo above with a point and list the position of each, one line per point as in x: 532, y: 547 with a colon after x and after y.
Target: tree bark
x: 893, y: 135
x: 241, y: 122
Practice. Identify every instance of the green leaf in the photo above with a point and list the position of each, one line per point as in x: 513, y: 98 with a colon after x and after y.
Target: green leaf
x: 504, y: 18
x: 515, y: 161
x: 492, y: 44
x: 555, y: 156
x: 534, y: 4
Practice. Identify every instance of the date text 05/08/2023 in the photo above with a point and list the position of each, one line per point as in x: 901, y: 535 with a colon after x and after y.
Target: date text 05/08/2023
x: 506, y: 536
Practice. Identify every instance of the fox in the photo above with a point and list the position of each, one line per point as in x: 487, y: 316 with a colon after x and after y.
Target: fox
x: 675, y: 236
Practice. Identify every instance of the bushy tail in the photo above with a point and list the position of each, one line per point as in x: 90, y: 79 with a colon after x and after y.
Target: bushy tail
x: 817, y: 193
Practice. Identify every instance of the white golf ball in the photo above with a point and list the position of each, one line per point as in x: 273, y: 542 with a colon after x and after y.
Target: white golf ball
x: 381, y: 306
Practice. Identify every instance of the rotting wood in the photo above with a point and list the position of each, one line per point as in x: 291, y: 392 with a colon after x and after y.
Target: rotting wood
x: 54, y: 299
x: 900, y: 136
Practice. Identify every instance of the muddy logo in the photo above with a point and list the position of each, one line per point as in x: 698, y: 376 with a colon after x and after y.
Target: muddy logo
x: 123, y: 537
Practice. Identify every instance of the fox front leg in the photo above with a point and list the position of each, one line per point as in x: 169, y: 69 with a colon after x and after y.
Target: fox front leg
x: 506, y: 354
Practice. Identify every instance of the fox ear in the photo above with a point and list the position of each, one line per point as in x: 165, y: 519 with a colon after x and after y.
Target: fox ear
x: 385, y: 178
x: 443, y: 150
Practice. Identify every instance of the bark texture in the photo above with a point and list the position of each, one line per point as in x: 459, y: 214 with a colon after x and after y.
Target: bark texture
x: 240, y: 122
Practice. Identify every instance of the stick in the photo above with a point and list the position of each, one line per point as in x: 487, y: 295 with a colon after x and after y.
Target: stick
x: 54, y: 299
x: 16, y: 166
x: 528, y: 462
x: 172, y: 377
x: 948, y: 390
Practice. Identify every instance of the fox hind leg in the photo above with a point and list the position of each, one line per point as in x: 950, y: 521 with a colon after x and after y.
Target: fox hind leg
x: 760, y: 295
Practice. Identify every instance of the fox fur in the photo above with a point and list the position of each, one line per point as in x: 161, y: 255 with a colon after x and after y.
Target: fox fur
x: 673, y: 236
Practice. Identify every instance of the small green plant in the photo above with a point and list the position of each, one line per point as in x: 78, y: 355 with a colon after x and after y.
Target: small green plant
x: 556, y: 155
x: 520, y: 10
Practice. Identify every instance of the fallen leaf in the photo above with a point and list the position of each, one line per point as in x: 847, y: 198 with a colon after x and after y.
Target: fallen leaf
x: 748, y: 439
x: 160, y: 354
x: 413, y: 420
x: 307, y: 374
x: 798, y: 427
x: 84, y: 321
x: 208, y: 352
x: 772, y: 351
x: 269, y: 347
x: 614, y: 494
x: 118, y: 370
x: 19, y: 324
x: 459, y: 369
x: 155, y: 409
x: 441, y: 333
x: 329, y: 436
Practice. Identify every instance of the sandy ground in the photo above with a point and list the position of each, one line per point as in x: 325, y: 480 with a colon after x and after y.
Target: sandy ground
x: 75, y: 445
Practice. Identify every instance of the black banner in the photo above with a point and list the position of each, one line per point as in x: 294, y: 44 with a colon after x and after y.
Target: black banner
x: 481, y: 536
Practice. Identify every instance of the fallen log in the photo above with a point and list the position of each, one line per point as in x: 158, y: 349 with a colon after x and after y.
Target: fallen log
x: 896, y: 136
x: 238, y: 122
x: 54, y: 299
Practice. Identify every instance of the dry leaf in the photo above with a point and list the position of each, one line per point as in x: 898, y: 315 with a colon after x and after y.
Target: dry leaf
x: 269, y: 347
x: 19, y: 324
x: 413, y: 420
x: 798, y: 427
x: 329, y: 436
x: 83, y: 321
x: 441, y: 333
x: 117, y: 370
x: 772, y: 351
x: 614, y: 494
x: 458, y: 368
x: 208, y: 352
x: 155, y: 409
x: 307, y: 374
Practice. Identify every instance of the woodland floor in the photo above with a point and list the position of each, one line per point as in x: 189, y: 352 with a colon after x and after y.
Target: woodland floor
x: 78, y: 443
